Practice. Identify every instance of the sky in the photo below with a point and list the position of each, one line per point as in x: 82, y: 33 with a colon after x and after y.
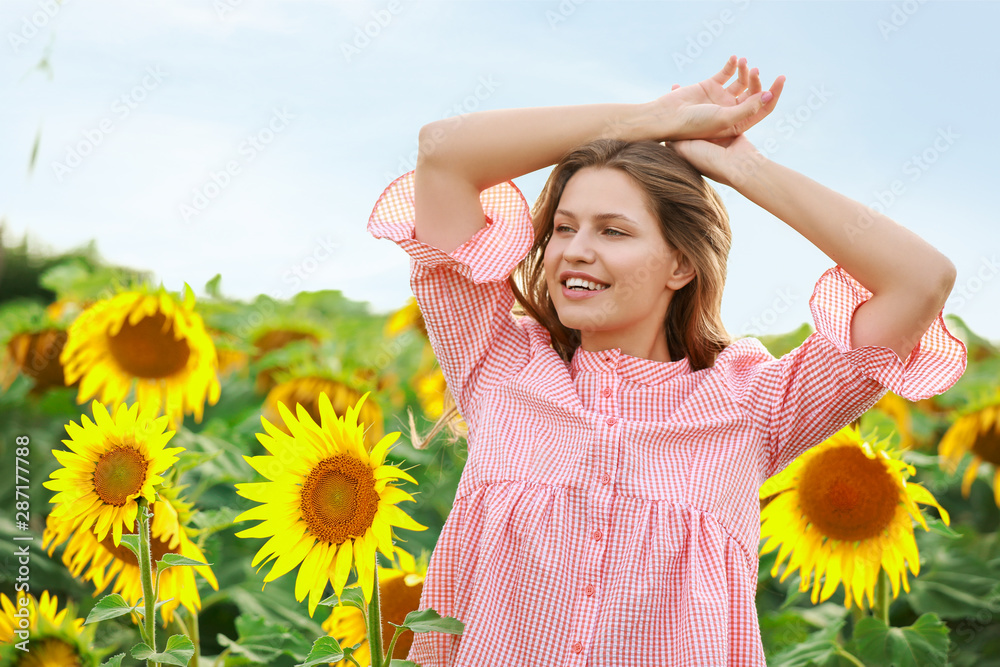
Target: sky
x: 252, y: 139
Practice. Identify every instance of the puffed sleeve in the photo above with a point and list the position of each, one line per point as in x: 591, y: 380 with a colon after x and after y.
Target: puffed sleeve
x: 810, y: 393
x: 464, y: 296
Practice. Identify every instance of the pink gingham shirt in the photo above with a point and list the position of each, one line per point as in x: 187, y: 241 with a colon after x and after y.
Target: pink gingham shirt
x: 608, y: 512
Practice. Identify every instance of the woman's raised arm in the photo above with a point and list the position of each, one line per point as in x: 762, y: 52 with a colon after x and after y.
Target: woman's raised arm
x: 461, y: 156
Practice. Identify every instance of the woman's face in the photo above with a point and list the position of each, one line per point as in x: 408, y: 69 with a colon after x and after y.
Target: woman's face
x: 603, y: 228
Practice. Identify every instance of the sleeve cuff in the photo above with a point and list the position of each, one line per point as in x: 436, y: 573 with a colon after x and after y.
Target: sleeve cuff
x: 935, y: 364
x: 489, y: 256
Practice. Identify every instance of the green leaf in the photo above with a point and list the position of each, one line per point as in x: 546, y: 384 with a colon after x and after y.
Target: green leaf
x: 352, y: 596
x: 938, y: 526
x: 212, y: 287
x: 114, y: 661
x: 110, y: 606
x: 179, y: 651
x: 173, y: 560
x: 325, y: 650
x: 819, y: 648
x: 131, y: 542
x: 922, y: 644
x: 428, y: 620
x: 262, y: 641
x: 402, y: 663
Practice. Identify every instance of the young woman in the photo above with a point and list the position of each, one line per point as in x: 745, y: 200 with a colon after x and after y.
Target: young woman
x: 608, y: 511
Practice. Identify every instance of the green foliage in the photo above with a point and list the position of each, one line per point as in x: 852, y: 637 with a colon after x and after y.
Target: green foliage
x: 923, y: 644
x: 178, y: 651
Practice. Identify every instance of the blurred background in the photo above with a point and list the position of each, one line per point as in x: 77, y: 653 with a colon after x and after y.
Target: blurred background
x: 251, y: 139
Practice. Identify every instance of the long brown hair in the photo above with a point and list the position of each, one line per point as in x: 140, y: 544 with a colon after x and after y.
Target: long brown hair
x: 693, y: 221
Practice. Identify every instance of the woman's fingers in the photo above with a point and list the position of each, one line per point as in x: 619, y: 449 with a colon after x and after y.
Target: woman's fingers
x: 741, y: 82
x: 726, y: 72
x: 754, y: 81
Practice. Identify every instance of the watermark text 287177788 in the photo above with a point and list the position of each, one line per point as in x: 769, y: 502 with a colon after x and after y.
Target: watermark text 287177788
x: 22, y: 517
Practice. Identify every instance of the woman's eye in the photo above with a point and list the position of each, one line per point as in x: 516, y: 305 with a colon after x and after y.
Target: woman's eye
x: 612, y: 231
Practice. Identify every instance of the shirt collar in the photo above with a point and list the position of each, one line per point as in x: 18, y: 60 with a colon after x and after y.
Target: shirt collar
x: 643, y: 371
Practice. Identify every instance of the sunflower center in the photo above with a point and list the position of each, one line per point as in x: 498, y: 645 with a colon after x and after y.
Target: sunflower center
x: 148, y: 349
x: 987, y: 446
x: 847, y: 495
x: 339, y: 500
x: 119, y: 475
x: 51, y: 652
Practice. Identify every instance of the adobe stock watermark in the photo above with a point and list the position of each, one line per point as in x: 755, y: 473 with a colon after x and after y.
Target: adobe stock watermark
x: 224, y: 8
x: 757, y: 326
x: 563, y: 11
x: 32, y: 25
x: 363, y: 35
x: 787, y: 126
x: 254, y: 144
x: 898, y: 17
x: 322, y: 251
x: 915, y: 167
x: 713, y: 29
x: 121, y: 109
x: 484, y: 89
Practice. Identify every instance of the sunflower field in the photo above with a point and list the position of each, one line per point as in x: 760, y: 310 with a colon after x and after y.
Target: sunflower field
x: 206, y: 481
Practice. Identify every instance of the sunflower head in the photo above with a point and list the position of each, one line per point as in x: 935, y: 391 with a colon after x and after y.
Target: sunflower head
x: 36, y: 354
x: 842, y: 511
x: 111, y: 463
x: 148, y: 339
x: 53, y: 637
x: 329, y: 502
x: 101, y: 561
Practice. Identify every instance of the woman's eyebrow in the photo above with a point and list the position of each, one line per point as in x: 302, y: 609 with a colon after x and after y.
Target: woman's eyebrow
x: 601, y: 216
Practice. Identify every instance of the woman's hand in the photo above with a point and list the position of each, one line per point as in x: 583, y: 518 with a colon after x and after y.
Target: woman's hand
x: 728, y: 161
x: 713, y: 110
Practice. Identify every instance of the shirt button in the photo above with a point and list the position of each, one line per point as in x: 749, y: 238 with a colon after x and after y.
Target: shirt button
x: 577, y: 647
x: 606, y: 392
x: 612, y: 421
x: 596, y: 535
x: 605, y: 478
x: 589, y: 590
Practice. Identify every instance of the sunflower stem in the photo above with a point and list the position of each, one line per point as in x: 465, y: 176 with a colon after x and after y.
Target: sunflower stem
x: 146, y: 568
x: 375, y: 624
x: 882, y: 596
x: 848, y: 657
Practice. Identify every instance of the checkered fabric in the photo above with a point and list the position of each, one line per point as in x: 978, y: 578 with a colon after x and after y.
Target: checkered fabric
x: 608, y: 511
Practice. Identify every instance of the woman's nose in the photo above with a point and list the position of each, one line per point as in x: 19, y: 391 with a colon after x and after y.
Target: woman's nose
x: 579, y: 247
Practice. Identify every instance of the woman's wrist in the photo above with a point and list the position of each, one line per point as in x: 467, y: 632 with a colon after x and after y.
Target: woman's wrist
x: 647, y: 121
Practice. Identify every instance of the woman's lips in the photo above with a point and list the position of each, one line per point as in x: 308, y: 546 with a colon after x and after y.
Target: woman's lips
x: 577, y: 294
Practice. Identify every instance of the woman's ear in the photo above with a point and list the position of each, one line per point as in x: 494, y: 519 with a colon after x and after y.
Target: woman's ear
x: 683, y: 272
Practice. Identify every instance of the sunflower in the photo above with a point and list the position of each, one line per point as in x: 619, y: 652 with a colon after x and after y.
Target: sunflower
x: 36, y: 355
x: 399, y: 588
x: 112, y: 463
x: 330, y: 501
x: 54, y: 638
x: 169, y: 533
x: 275, y: 339
x: 151, y: 339
x: 306, y: 391
x: 977, y: 431
x: 842, y: 510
